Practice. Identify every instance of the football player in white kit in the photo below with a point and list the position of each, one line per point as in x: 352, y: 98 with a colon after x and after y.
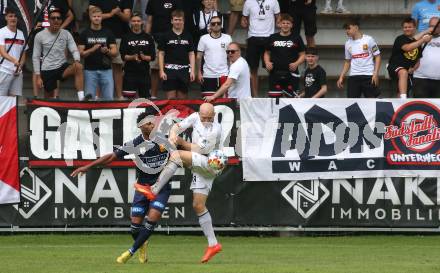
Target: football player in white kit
x: 206, y: 136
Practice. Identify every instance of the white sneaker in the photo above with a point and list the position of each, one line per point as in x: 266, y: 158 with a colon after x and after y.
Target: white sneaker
x: 342, y: 9
x: 327, y: 10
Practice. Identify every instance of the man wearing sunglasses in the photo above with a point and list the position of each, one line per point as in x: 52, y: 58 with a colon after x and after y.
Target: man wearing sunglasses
x: 51, y: 44
x: 212, y: 49
x: 237, y: 84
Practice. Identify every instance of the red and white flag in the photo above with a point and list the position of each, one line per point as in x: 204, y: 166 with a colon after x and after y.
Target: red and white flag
x: 9, y: 175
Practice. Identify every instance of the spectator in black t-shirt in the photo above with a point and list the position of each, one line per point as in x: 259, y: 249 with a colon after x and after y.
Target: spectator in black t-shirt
x: 283, y: 55
x: 315, y: 77
x: 137, y: 50
x: 97, y: 46
x: 405, y: 56
x: 304, y: 11
x: 158, y: 22
x: 116, y: 15
x: 176, y: 58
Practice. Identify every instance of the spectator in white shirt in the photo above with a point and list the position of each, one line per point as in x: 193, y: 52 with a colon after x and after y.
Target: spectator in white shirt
x: 427, y: 76
x: 362, y: 59
x: 237, y: 84
x: 212, y: 49
x: 259, y: 16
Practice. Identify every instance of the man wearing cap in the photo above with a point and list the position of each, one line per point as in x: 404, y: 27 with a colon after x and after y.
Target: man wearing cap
x: 150, y: 157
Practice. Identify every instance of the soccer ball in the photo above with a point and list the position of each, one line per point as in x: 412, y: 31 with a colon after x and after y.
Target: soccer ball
x: 217, y: 160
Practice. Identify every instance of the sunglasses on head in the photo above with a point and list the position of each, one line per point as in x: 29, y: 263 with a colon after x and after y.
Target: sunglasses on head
x: 55, y: 18
x: 216, y: 23
x: 231, y: 51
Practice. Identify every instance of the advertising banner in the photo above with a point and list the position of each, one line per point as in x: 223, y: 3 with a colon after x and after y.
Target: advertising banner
x: 312, y: 139
x: 9, y: 181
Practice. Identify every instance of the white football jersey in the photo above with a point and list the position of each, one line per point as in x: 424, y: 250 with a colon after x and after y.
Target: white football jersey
x: 206, y: 137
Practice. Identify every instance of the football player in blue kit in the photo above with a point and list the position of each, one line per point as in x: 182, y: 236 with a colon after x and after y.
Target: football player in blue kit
x: 152, y: 157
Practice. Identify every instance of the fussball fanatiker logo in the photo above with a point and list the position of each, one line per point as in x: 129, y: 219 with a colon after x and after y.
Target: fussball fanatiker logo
x: 414, y: 133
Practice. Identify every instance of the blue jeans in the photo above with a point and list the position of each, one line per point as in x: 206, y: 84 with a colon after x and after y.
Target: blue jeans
x: 101, y: 78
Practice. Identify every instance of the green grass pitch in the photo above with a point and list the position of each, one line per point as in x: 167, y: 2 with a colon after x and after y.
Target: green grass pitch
x: 180, y: 254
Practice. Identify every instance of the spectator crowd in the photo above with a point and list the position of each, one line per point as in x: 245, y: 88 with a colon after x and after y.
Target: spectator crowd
x: 170, y: 44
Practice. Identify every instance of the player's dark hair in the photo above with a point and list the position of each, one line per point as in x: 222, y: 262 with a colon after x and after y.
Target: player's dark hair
x: 217, y: 17
x: 286, y: 17
x: 408, y: 20
x: 10, y: 10
x: 311, y: 50
x: 141, y: 116
x: 351, y: 22
x: 54, y: 10
x: 177, y: 13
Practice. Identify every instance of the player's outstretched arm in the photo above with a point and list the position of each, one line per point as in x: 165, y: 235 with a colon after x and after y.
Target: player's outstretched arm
x: 104, y: 160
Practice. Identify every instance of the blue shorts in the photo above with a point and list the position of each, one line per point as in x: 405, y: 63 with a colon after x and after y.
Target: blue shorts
x: 141, y: 204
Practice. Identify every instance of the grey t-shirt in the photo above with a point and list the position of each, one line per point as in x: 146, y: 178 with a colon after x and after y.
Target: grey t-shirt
x: 56, y: 57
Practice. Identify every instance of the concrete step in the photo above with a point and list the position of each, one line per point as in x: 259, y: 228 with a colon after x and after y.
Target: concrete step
x: 373, y: 6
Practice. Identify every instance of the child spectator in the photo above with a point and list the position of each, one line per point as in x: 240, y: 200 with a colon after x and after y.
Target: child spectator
x: 404, y: 60
x: 315, y: 77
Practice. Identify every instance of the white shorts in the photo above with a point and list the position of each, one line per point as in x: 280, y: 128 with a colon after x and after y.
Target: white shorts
x: 203, y: 175
x: 11, y: 85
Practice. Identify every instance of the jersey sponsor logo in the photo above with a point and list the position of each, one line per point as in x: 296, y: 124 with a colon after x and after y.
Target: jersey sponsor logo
x: 361, y: 55
x: 284, y: 44
x: 412, y: 55
x: 305, y: 197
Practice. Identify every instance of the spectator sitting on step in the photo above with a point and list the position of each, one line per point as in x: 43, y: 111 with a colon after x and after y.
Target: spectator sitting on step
x: 340, y: 8
x: 427, y: 76
x: 50, y: 45
x: 404, y: 60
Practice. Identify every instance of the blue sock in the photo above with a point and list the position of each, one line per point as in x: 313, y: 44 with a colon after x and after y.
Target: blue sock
x: 135, y: 229
x: 144, y: 233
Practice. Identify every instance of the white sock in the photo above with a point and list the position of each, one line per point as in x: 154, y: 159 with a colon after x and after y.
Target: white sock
x: 165, y: 176
x: 328, y: 3
x: 340, y: 3
x: 205, y: 222
x: 80, y: 95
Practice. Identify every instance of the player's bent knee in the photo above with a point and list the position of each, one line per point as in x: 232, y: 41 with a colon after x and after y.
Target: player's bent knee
x: 402, y: 73
x: 199, y: 207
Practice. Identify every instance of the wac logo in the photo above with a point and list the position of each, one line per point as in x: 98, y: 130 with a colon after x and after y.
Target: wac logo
x: 34, y: 193
x: 305, y: 197
x: 414, y: 133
